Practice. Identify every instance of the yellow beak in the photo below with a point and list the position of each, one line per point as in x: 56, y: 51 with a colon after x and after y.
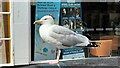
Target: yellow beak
x: 37, y: 22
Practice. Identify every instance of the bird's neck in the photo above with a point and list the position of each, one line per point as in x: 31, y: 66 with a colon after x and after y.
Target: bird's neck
x: 47, y: 24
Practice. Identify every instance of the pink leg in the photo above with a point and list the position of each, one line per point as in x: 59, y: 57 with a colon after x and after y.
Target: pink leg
x: 57, y: 60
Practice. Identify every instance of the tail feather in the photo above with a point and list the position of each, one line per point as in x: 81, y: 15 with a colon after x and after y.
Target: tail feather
x: 92, y: 44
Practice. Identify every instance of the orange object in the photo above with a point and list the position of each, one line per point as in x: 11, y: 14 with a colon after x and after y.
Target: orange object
x: 115, y: 40
x: 103, y: 50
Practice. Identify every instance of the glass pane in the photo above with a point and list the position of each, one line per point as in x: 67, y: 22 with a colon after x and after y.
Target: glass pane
x: 100, y: 22
x: 4, y: 6
x: 4, y: 52
x: 4, y: 26
x: 104, y: 19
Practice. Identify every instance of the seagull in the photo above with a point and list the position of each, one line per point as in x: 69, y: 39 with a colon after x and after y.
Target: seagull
x: 61, y: 37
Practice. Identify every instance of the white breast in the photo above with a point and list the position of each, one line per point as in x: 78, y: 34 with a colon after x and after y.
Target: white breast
x: 44, y: 32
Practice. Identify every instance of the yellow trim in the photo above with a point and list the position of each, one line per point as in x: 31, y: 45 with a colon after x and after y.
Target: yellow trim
x: 8, y: 46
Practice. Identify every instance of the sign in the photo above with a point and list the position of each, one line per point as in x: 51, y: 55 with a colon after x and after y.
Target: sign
x: 71, y: 17
x: 45, y: 51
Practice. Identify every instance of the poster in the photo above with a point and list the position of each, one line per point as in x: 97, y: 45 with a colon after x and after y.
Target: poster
x: 71, y: 17
x: 45, y: 51
x: 66, y: 14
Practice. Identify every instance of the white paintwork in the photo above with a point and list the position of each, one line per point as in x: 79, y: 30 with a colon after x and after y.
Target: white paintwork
x: 21, y: 32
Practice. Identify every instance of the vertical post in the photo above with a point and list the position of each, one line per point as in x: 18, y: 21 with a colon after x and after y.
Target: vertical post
x: 21, y: 32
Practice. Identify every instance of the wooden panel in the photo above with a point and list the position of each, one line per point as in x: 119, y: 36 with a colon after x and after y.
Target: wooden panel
x: 8, y: 51
x: 5, y: 6
x: 8, y: 47
x: 2, y: 35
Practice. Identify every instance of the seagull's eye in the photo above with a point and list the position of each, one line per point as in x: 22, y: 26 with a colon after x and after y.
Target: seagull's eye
x: 45, y: 19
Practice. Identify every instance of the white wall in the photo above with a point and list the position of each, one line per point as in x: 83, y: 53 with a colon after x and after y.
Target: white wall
x: 21, y: 32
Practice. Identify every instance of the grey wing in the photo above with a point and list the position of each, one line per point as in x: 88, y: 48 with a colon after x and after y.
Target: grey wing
x: 66, y: 36
x: 62, y: 30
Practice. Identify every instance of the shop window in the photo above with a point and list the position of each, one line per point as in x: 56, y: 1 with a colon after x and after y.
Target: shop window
x: 102, y: 22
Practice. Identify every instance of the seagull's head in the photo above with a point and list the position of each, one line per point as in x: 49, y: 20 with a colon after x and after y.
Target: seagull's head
x: 48, y: 19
